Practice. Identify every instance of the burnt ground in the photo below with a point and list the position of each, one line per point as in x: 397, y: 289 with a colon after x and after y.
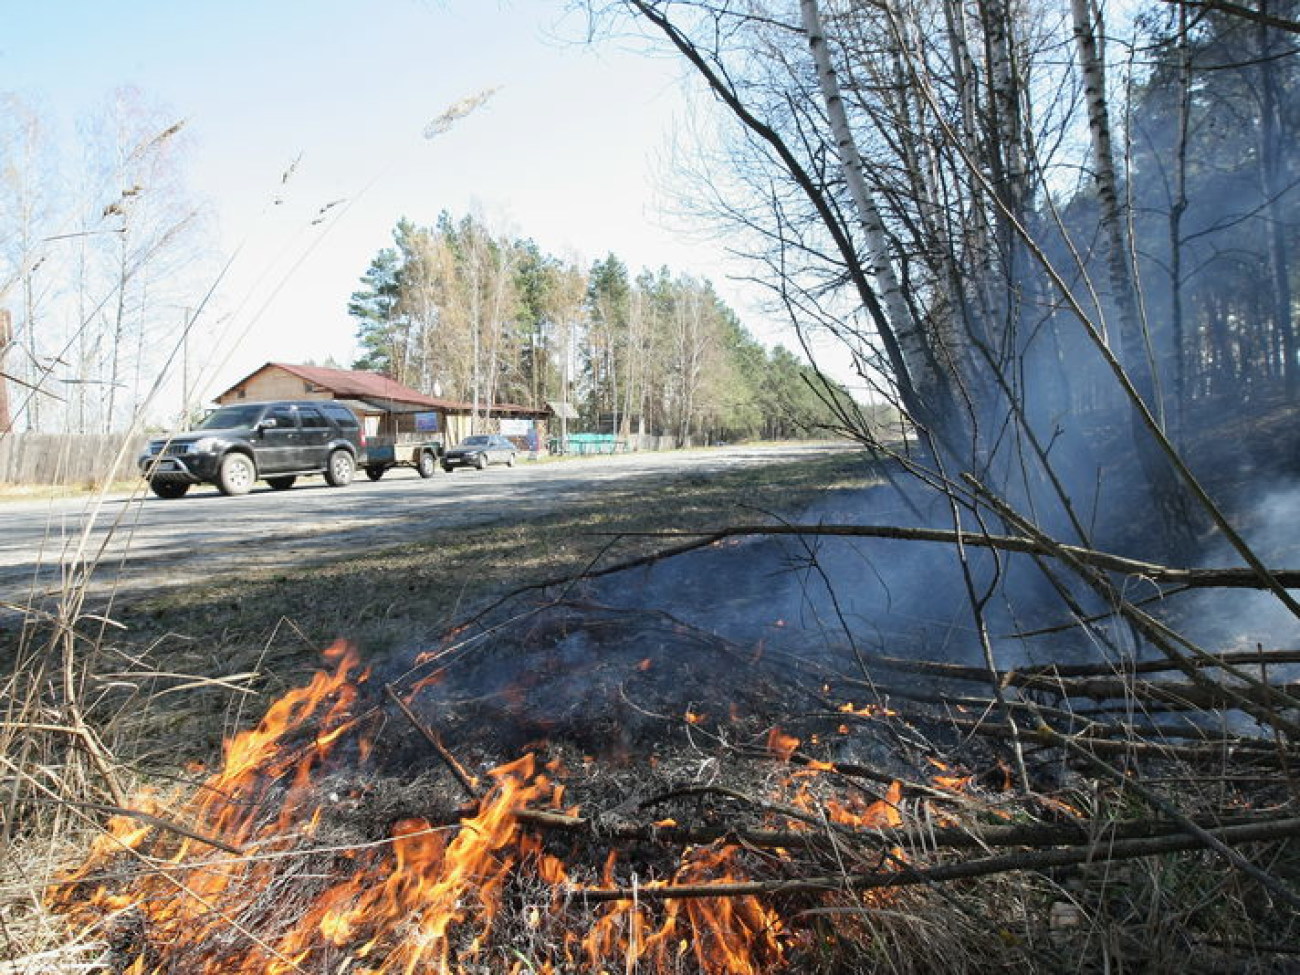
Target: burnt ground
x: 671, y: 743
x: 652, y: 790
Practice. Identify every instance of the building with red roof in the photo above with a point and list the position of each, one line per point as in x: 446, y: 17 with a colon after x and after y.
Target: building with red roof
x: 385, y: 406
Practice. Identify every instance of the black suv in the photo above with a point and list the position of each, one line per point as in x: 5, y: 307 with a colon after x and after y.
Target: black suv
x: 239, y: 443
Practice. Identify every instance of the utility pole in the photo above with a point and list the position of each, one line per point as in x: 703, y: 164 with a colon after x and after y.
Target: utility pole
x: 473, y: 417
x: 6, y: 340
x: 187, y: 320
x: 568, y: 380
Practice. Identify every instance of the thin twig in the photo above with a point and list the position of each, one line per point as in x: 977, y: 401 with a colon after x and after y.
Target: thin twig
x: 467, y: 781
x: 149, y: 819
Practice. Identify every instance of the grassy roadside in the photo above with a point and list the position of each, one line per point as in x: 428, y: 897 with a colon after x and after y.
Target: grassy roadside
x: 57, y: 492
x: 171, y: 677
x: 273, y: 625
x: 154, y: 692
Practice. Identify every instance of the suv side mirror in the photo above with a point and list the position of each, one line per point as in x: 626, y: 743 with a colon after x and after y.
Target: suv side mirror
x: 268, y: 423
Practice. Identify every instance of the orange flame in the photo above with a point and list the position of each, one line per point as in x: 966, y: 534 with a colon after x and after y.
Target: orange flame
x: 953, y: 782
x: 884, y: 813
x: 427, y: 898
x: 780, y: 745
x: 867, y: 710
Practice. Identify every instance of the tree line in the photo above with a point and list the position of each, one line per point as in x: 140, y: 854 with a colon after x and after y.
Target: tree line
x: 459, y: 311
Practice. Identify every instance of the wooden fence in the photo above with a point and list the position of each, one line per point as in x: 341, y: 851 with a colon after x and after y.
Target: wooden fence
x: 67, y: 458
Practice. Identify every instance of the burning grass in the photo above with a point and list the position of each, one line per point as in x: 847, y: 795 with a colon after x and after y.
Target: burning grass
x: 158, y: 684
x: 342, y: 833
x: 282, y: 865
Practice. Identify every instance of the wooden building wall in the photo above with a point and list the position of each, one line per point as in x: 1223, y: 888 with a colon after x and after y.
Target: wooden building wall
x: 274, y: 384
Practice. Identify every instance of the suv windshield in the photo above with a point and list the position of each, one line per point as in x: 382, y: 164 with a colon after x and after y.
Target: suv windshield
x: 229, y: 417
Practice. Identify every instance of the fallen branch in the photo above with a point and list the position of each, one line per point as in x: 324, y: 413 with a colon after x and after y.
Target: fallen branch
x: 1225, y: 578
x: 1178, y: 649
x: 1102, y: 850
x: 1033, y: 835
x: 849, y: 770
x: 1123, y: 740
x: 1206, y: 837
x: 1048, y: 674
x: 467, y: 782
x: 1170, y: 695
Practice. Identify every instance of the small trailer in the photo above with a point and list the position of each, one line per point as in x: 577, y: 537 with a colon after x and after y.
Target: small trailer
x: 384, y: 453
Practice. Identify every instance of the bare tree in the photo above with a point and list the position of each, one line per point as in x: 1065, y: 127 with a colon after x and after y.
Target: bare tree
x: 920, y: 357
x: 28, y: 188
x: 1166, y: 492
x: 1273, y: 177
x: 144, y: 203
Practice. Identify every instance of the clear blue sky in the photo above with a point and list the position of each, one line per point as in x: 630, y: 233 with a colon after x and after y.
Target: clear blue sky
x: 568, y: 151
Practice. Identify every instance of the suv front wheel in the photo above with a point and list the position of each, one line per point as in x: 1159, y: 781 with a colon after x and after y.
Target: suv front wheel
x: 339, y: 471
x: 237, y: 474
x: 169, y: 489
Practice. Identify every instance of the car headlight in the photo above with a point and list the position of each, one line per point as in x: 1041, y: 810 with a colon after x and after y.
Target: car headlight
x: 204, y: 445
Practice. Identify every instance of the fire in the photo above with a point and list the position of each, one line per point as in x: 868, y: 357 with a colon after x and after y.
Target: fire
x: 732, y: 935
x: 947, y: 779
x: 251, y: 882
x: 780, y: 745
x: 867, y: 710
x: 883, y: 813
x: 434, y: 883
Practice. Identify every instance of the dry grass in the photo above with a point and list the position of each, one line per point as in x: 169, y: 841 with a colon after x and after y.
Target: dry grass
x: 91, y: 711
x: 274, y: 624
x: 89, y: 717
x: 51, y: 492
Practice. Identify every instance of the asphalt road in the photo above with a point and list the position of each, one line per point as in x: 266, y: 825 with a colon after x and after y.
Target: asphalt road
x: 130, y: 545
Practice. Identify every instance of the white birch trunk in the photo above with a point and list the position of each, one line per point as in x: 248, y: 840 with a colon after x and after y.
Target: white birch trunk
x: 1166, y: 492
x: 920, y: 358
x: 1092, y: 70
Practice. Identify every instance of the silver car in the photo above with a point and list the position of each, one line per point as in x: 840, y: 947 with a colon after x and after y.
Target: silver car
x: 479, y: 451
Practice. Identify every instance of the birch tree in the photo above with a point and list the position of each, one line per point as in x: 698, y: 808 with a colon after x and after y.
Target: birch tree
x: 432, y: 293
x: 928, y: 235
x: 920, y: 359
x: 1135, y: 349
x: 988, y: 283
x: 565, y: 305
